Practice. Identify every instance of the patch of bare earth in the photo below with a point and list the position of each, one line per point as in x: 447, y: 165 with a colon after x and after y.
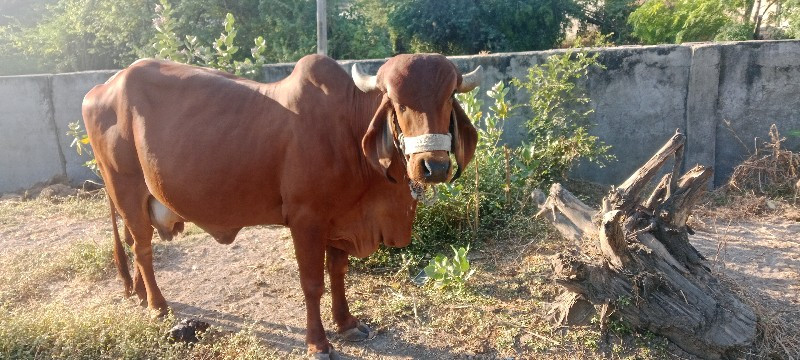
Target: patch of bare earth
x: 755, y: 243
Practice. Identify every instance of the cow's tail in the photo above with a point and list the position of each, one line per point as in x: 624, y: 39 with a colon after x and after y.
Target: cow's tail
x: 120, y: 257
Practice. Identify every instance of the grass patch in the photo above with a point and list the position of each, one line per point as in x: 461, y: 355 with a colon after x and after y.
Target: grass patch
x: 23, y: 275
x: 110, y: 331
x: 83, y: 207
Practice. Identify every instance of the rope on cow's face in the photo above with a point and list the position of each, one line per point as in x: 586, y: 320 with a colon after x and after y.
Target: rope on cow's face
x: 418, y: 144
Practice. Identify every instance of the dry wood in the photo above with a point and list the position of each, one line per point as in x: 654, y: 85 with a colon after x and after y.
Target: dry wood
x: 612, y: 239
x: 644, y: 267
x: 660, y: 194
x: 575, y: 212
x: 627, y: 193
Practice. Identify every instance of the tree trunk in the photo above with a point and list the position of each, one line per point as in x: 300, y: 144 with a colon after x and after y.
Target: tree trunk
x: 640, y: 264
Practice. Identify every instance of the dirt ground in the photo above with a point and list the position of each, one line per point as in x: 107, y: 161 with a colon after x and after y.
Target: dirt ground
x: 253, y: 283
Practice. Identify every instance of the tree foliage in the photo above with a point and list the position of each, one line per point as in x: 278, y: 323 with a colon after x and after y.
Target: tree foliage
x: 665, y: 21
x: 676, y: 21
x: 71, y: 35
x: 610, y: 17
x: 78, y: 35
x: 471, y: 26
x: 792, y: 16
x: 222, y: 54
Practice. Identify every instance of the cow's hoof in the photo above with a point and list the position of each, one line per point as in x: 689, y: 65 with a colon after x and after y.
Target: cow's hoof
x: 332, y: 355
x: 158, y: 313
x: 359, y: 333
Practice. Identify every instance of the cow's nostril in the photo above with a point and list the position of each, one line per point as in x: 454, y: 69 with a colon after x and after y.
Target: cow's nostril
x: 427, y: 169
x: 435, y: 171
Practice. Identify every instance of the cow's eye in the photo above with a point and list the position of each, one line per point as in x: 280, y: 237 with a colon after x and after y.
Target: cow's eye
x: 402, y: 108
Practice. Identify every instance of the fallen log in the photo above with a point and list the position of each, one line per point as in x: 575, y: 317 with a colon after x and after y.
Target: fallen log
x: 637, y: 263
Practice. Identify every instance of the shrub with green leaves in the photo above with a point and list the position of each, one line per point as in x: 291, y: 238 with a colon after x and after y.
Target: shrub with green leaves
x: 220, y: 55
x: 558, y: 123
x: 450, y: 273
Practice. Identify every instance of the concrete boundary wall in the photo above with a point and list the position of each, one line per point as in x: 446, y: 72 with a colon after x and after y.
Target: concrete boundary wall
x: 34, y: 113
x: 722, y: 96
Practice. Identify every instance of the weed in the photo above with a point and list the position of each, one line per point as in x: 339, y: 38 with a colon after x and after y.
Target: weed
x: 450, y: 273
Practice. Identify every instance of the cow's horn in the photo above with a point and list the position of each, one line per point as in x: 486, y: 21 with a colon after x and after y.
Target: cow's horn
x: 471, y: 80
x: 365, y: 83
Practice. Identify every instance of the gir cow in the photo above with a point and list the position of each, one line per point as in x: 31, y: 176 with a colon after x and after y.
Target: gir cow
x: 338, y: 160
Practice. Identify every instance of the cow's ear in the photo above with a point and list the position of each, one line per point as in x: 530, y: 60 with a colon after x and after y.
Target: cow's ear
x: 377, y: 144
x: 465, y: 138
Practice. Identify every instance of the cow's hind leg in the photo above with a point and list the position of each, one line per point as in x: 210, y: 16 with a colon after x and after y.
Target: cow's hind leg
x: 309, y: 249
x: 349, y: 328
x: 138, y: 282
x: 132, y: 204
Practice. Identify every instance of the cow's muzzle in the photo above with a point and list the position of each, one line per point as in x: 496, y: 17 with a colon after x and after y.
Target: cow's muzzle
x: 435, y: 171
x: 429, y: 167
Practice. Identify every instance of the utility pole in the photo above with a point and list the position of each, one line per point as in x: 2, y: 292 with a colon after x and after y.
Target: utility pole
x: 322, y: 28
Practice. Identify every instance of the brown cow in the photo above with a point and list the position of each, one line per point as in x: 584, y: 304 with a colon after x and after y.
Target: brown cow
x: 315, y: 152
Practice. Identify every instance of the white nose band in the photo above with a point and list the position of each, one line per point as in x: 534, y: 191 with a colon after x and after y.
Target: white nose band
x: 425, y: 143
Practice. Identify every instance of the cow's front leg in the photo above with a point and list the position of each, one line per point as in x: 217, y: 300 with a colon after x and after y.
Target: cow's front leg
x: 349, y: 328
x: 309, y: 248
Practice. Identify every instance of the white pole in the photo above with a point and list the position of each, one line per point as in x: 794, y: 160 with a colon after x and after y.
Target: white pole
x: 322, y: 28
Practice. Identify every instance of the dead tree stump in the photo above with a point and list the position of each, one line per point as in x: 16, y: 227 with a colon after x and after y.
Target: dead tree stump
x: 639, y: 264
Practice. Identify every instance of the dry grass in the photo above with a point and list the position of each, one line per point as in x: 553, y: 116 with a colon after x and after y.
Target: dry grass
x: 765, y: 186
x: 47, y: 307
x: 771, y: 170
x: 108, y: 329
x: 27, y: 274
x: 84, y: 206
x: 776, y: 332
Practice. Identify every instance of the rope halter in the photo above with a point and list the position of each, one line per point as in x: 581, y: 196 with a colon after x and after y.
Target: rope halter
x: 425, y: 143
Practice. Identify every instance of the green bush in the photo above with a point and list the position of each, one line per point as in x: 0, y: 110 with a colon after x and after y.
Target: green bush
x: 558, y: 122
x: 664, y: 21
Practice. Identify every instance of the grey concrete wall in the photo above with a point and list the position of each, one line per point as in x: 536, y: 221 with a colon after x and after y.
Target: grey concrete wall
x: 34, y: 113
x: 720, y: 95
x: 29, y: 151
x: 759, y: 85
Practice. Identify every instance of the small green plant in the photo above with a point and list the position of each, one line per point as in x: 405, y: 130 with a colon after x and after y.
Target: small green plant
x: 89, y: 259
x: 450, y: 273
x: 619, y: 327
x: 79, y: 142
x: 558, y: 125
x: 624, y: 301
x: 222, y: 54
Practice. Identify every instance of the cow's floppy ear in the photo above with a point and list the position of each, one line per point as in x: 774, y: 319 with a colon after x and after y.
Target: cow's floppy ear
x: 377, y: 144
x: 465, y: 138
